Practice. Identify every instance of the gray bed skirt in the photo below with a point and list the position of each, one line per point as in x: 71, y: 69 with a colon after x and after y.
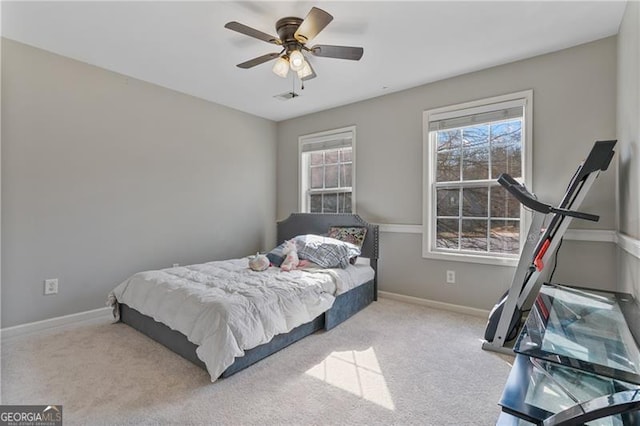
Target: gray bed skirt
x: 345, y: 306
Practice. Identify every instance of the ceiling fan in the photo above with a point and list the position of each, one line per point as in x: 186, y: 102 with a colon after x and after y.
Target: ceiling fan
x: 293, y: 35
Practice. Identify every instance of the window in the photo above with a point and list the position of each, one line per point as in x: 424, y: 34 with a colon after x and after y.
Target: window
x: 467, y: 214
x: 327, y: 171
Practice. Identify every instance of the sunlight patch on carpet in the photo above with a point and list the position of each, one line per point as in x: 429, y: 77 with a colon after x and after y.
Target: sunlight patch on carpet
x: 357, y: 372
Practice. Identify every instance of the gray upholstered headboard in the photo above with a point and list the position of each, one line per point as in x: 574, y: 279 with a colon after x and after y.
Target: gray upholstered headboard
x: 319, y: 223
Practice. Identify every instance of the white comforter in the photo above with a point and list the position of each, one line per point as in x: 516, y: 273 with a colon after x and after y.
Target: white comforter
x: 226, y: 308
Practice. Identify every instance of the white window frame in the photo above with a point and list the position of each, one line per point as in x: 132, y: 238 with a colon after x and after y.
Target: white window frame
x: 303, y: 169
x: 525, y: 98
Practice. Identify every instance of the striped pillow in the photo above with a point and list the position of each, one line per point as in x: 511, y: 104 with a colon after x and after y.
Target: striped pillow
x: 324, y: 251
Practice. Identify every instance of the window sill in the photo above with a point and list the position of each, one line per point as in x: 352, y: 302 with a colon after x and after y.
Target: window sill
x: 470, y: 258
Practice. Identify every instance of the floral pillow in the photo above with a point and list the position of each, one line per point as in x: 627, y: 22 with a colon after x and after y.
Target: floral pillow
x: 350, y: 234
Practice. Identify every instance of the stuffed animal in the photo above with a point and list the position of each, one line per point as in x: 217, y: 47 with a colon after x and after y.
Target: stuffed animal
x: 259, y: 262
x: 291, y: 261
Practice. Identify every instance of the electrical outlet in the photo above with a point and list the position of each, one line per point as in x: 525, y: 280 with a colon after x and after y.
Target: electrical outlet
x: 51, y: 286
x: 451, y: 277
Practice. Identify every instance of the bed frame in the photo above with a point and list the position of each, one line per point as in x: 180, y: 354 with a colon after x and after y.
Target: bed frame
x: 345, y: 305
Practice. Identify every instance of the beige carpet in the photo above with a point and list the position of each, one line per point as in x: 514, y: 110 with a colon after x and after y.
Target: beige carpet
x: 393, y: 363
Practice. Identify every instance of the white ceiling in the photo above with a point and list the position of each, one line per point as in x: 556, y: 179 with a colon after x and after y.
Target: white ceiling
x: 185, y: 47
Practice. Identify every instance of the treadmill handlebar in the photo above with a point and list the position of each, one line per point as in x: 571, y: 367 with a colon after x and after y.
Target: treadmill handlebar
x: 576, y: 214
x: 523, y: 195
x: 526, y: 198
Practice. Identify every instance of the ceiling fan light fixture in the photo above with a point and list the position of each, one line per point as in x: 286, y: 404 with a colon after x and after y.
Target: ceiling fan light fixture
x: 293, y: 35
x: 281, y: 67
x: 305, y: 71
x: 296, y: 60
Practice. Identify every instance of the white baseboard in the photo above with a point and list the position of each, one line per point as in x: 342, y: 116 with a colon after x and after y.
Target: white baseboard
x: 31, y: 327
x: 435, y: 304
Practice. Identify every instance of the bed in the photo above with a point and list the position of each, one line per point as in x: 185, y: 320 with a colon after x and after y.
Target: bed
x: 315, y: 303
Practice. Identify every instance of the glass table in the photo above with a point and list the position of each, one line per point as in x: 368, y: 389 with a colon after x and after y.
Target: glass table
x: 577, y: 361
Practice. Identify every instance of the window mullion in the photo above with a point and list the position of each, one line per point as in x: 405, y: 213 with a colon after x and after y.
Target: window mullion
x: 489, y: 217
x: 324, y: 171
x: 461, y: 149
x: 460, y: 201
x: 489, y: 154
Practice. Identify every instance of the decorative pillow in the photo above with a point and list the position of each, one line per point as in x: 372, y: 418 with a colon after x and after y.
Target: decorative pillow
x: 276, y: 256
x: 350, y: 234
x: 325, y: 251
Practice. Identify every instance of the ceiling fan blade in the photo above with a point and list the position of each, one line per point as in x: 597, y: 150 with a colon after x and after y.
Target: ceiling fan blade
x: 259, y: 60
x: 313, y: 23
x: 339, y: 52
x: 310, y: 76
x: 252, y: 32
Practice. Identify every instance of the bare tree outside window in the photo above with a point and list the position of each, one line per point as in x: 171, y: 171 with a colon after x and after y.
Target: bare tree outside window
x: 330, y: 188
x: 473, y: 213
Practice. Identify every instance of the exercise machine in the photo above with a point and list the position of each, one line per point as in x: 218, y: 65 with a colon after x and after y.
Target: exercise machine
x: 541, y: 243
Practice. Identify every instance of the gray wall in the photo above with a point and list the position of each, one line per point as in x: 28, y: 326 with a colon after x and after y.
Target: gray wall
x: 104, y: 176
x: 628, y: 126
x: 574, y: 105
